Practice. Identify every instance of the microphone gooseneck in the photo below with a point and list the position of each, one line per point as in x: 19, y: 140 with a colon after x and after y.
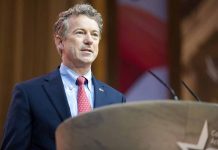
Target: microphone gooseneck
x: 191, y: 91
x: 172, y: 92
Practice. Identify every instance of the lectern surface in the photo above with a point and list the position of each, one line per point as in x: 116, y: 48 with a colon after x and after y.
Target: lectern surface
x: 148, y: 125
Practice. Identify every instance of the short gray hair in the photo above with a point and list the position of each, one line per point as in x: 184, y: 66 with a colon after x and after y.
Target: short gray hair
x: 61, y: 25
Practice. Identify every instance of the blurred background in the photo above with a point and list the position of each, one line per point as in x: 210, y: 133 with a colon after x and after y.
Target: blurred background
x: 175, y: 39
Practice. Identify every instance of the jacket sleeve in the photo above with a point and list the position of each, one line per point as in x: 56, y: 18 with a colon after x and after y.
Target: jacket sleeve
x: 17, y: 131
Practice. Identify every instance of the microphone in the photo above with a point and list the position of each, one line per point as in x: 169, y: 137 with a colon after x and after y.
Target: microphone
x: 190, y: 91
x: 172, y: 92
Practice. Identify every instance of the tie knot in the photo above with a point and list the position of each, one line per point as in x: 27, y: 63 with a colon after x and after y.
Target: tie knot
x: 81, y: 80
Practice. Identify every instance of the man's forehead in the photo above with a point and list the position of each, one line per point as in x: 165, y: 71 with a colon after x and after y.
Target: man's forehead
x: 83, y: 21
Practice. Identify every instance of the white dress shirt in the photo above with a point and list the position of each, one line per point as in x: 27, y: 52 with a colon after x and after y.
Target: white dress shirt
x: 69, y: 78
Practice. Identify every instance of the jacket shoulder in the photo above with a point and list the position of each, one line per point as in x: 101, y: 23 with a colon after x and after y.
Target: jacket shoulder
x: 39, y: 79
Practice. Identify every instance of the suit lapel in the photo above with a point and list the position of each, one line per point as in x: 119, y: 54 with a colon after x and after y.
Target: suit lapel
x: 55, y: 90
x: 100, y: 94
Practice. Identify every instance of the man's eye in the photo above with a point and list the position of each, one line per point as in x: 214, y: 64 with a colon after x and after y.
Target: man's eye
x: 79, y: 32
x: 95, y: 34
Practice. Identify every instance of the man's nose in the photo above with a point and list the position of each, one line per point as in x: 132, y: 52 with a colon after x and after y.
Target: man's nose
x: 88, y: 39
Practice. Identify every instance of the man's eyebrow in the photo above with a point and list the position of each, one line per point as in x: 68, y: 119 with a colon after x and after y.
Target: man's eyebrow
x: 96, y: 31
x: 78, y: 29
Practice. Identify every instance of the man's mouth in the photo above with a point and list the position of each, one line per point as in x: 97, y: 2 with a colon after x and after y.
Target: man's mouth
x: 87, y: 50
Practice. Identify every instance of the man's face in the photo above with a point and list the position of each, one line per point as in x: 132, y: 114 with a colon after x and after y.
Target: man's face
x: 80, y: 45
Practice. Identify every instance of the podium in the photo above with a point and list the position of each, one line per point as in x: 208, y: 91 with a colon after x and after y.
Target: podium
x: 147, y: 125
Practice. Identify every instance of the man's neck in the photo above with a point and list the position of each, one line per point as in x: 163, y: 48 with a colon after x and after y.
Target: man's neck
x: 81, y: 70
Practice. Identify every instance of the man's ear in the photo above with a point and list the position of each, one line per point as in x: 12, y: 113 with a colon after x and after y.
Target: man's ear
x: 59, y: 42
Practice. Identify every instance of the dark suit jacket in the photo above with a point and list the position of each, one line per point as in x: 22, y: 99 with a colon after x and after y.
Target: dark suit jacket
x: 38, y: 106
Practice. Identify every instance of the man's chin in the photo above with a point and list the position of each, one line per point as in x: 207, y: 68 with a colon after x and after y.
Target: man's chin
x: 86, y: 62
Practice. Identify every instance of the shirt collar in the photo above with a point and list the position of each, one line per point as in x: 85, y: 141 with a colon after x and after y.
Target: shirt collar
x: 72, y: 75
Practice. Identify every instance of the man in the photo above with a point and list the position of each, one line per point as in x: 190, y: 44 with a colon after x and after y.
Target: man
x: 41, y: 104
